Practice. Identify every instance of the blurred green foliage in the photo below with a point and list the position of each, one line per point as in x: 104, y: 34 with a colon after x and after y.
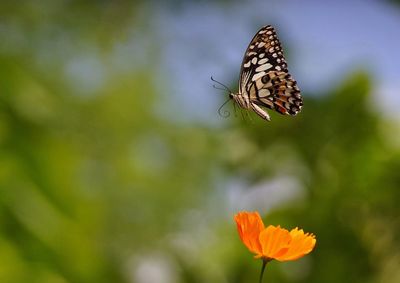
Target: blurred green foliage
x: 92, y: 185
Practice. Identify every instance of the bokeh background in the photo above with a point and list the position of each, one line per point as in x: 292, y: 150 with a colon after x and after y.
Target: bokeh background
x: 116, y: 167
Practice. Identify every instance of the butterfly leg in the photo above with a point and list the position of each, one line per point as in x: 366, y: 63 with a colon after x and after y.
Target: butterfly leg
x: 234, y: 107
x: 260, y: 112
x: 249, y: 116
x: 241, y: 113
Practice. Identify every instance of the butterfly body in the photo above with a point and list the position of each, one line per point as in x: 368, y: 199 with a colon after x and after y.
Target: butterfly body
x: 244, y: 102
x: 264, y: 78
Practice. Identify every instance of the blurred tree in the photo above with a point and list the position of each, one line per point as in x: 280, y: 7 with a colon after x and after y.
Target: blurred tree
x: 336, y: 147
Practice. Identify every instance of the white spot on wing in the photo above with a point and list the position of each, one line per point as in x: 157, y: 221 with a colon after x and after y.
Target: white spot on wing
x: 264, y: 92
x: 247, y: 64
x: 254, y: 60
x: 263, y: 67
x: 263, y: 61
x: 261, y: 44
x: 257, y: 76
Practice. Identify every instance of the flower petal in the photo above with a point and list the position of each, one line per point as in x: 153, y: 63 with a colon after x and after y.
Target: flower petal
x: 300, y: 245
x: 249, y: 225
x: 274, y: 241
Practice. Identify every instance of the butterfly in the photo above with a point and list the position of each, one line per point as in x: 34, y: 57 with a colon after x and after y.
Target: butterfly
x: 264, y: 78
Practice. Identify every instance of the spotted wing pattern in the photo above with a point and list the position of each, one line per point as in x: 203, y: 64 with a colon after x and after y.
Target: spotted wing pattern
x: 264, y: 77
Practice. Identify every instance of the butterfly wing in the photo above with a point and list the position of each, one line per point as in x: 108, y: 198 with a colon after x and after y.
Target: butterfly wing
x: 278, y: 91
x: 264, y: 77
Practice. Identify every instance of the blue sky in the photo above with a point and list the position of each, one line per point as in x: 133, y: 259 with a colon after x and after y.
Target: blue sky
x: 325, y: 40
x: 185, y: 44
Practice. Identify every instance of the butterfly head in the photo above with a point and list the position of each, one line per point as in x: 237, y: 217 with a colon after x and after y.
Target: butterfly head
x: 240, y: 100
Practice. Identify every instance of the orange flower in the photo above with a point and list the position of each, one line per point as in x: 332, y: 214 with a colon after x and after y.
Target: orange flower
x: 272, y: 242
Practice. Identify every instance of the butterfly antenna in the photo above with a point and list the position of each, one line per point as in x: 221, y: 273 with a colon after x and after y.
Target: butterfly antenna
x: 219, y: 88
x: 226, y: 113
x: 221, y: 84
x: 241, y: 113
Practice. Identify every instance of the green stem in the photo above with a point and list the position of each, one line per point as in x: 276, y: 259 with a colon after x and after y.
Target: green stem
x: 262, y: 269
